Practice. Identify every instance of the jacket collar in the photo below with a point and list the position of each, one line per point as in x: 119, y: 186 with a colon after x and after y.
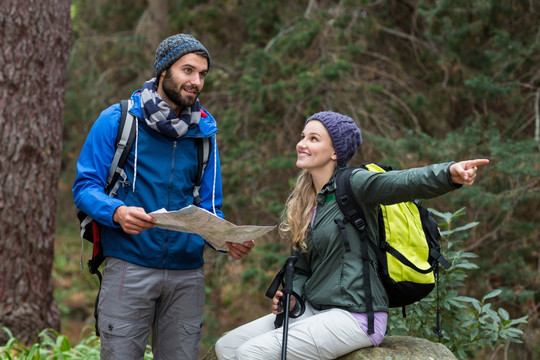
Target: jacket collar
x: 329, y: 188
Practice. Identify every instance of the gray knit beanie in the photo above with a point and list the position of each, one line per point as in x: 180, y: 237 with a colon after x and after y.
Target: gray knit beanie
x: 173, y: 48
x: 346, y: 136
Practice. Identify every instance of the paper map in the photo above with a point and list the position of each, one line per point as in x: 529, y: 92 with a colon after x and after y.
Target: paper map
x: 212, y: 228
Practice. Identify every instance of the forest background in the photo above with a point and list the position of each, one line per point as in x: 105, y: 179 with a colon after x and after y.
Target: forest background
x: 427, y: 82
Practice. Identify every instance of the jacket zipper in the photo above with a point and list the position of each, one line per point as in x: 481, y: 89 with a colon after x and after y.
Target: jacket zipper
x: 169, y: 201
x: 171, y: 178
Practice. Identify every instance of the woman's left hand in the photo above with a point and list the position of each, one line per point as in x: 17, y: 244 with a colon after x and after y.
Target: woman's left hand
x: 465, y: 172
x: 276, y: 309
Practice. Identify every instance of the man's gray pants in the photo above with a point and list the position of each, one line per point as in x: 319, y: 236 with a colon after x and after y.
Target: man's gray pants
x: 134, y: 299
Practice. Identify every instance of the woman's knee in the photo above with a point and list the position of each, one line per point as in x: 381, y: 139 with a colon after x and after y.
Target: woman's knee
x: 247, y: 351
x: 223, y: 352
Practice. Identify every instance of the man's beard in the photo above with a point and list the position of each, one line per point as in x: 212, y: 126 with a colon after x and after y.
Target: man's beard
x: 169, y: 88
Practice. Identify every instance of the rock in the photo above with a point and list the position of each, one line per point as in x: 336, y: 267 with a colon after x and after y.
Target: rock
x: 402, y: 348
x: 392, y: 348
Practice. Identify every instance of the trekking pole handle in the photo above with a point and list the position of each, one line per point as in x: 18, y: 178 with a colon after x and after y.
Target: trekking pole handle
x: 287, y: 291
x: 289, y: 272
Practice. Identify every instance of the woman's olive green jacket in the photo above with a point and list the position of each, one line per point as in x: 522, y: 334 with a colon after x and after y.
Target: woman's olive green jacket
x: 326, y: 275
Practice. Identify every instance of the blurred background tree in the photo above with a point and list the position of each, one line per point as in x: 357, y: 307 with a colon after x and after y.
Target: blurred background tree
x: 33, y: 57
x: 427, y: 81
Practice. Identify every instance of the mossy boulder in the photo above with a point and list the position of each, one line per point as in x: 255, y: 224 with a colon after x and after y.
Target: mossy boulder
x: 392, y: 348
x: 402, y: 348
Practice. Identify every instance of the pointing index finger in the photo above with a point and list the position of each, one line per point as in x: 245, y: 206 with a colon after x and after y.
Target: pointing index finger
x: 476, y: 162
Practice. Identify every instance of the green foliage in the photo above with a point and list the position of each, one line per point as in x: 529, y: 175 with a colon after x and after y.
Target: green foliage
x: 50, y: 345
x: 427, y: 81
x: 467, y: 324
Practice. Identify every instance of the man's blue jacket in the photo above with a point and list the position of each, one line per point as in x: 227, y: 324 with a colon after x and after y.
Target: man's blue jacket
x: 164, y: 171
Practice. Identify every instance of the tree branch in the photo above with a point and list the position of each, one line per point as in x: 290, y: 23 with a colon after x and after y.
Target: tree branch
x: 537, y: 118
x: 405, y: 107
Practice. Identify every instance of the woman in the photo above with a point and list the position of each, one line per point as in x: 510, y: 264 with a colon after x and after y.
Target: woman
x: 328, y: 279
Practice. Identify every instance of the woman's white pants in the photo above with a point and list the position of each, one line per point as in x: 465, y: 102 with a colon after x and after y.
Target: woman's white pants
x: 316, y: 335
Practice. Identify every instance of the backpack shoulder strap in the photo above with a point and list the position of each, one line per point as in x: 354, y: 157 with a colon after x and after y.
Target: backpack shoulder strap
x: 123, y: 143
x: 203, y: 157
x: 346, y: 199
x: 354, y: 215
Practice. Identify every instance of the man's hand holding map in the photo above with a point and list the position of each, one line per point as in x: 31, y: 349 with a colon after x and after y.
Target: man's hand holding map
x: 215, y: 230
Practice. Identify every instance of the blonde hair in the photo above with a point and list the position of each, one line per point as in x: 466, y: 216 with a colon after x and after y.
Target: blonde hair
x: 298, y: 211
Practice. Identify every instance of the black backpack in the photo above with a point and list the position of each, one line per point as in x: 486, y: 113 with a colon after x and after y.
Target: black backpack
x: 117, y: 177
x: 408, y: 273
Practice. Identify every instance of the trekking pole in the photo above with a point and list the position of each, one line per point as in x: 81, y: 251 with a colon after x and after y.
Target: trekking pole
x: 287, y: 291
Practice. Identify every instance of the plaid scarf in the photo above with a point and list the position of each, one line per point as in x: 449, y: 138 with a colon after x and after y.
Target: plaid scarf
x: 159, y: 116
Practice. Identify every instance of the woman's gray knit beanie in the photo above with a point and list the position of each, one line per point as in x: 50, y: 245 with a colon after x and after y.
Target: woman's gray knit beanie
x: 345, y: 134
x: 173, y: 48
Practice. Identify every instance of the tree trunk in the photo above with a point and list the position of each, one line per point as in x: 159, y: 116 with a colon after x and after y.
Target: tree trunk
x: 150, y: 30
x: 153, y: 23
x: 33, y: 57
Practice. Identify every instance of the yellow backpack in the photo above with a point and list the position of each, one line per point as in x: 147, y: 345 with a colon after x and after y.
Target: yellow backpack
x: 408, y: 252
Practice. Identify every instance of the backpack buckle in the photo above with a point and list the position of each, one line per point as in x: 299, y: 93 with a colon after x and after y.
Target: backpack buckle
x: 344, y: 199
x: 360, y: 224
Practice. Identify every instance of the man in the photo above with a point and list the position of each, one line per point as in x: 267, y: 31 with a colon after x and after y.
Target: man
x: 153, y: 277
